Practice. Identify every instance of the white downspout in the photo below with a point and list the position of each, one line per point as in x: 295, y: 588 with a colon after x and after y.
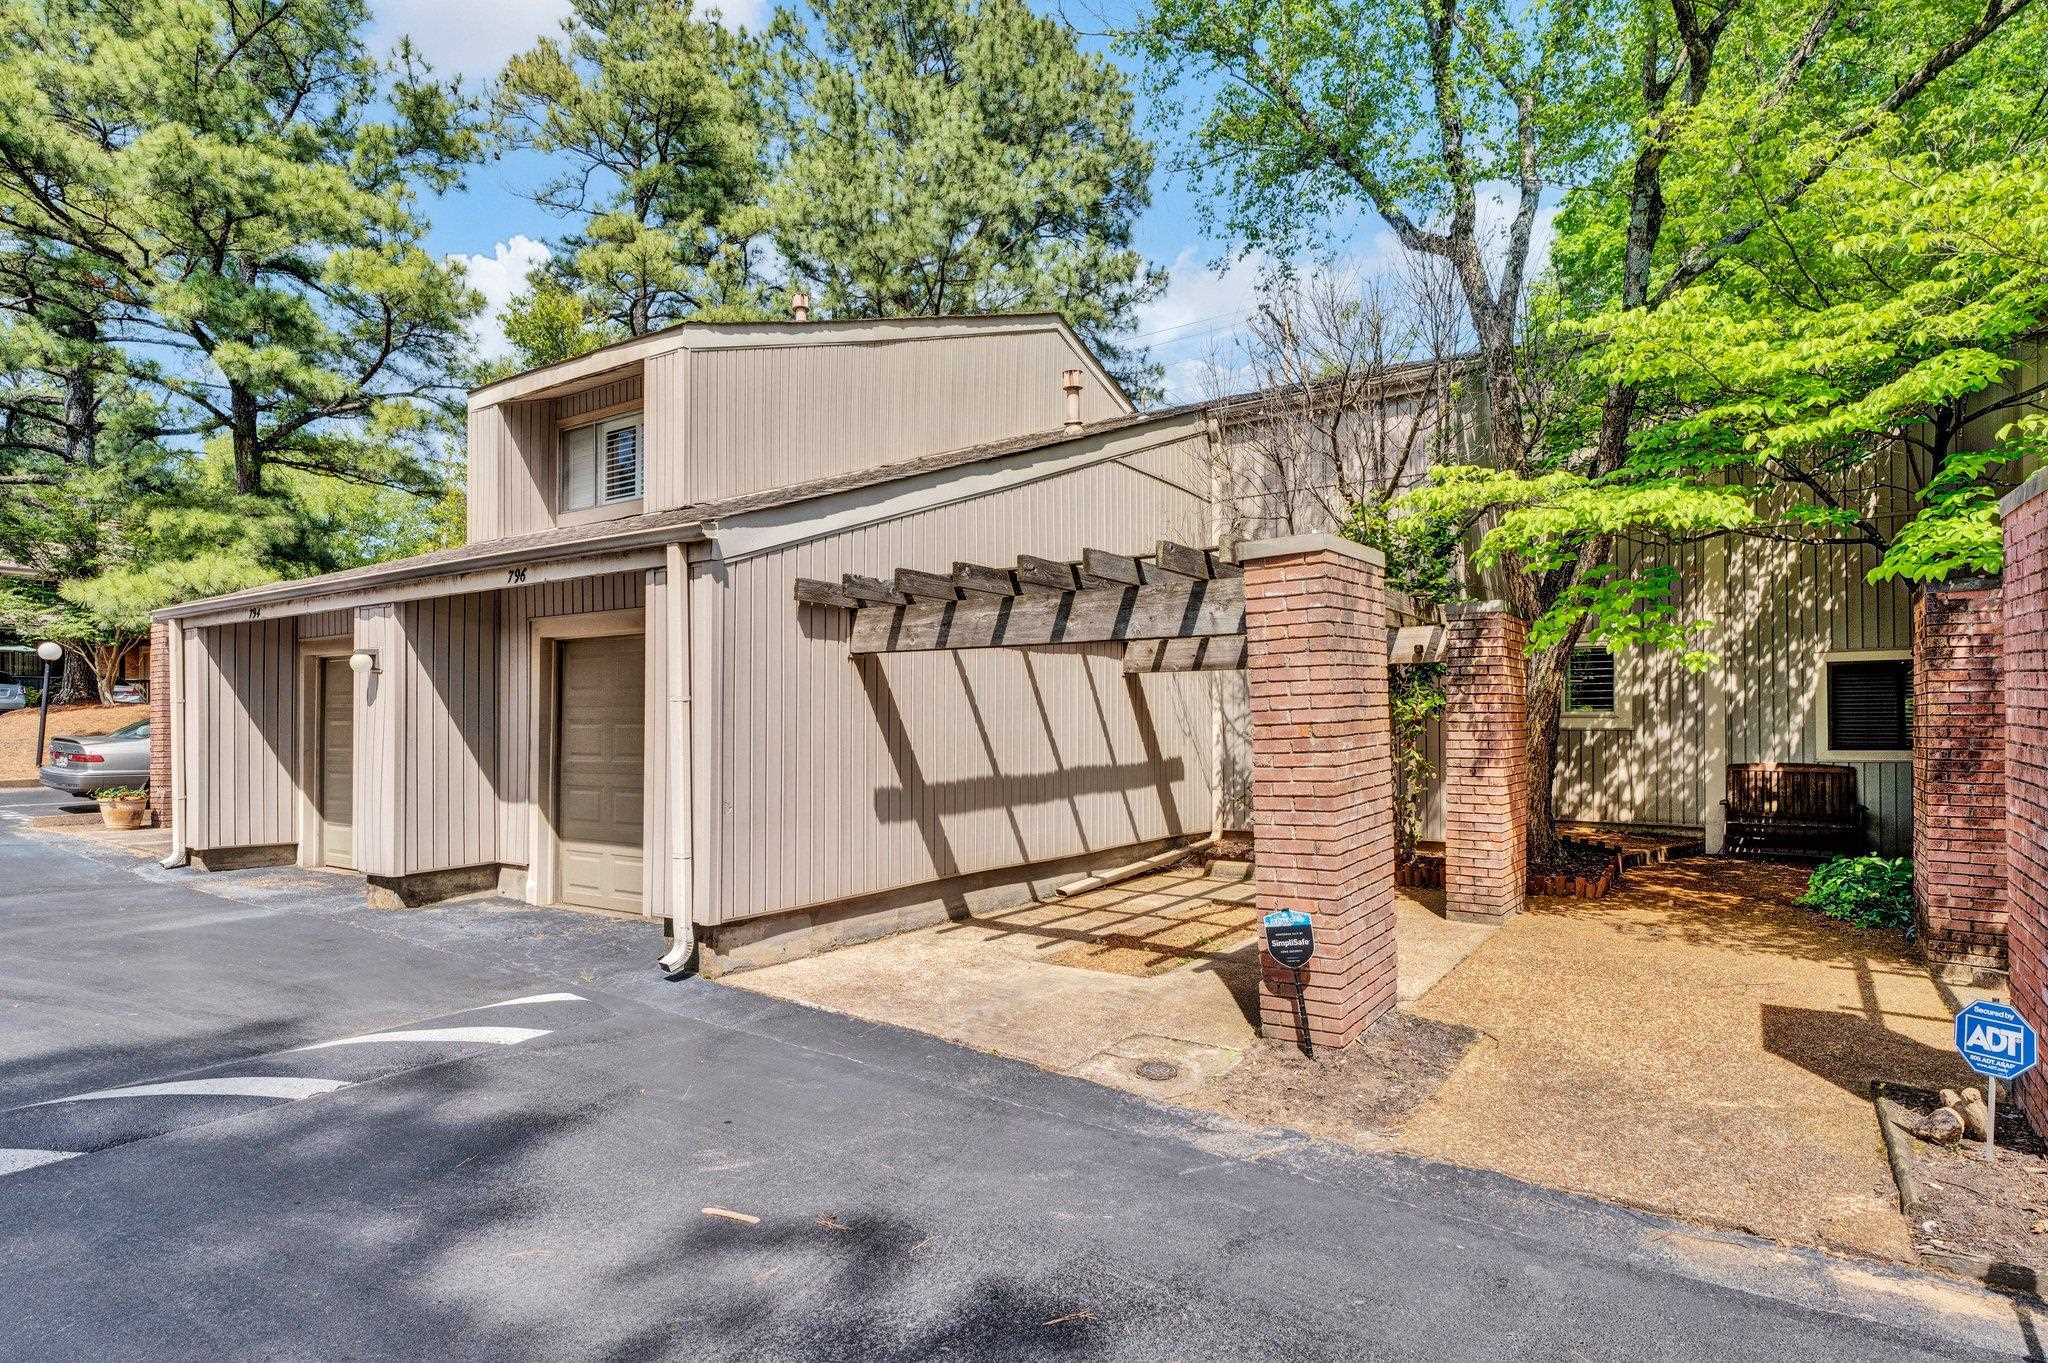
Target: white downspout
x: 681, y: 756
x: 174, y: 640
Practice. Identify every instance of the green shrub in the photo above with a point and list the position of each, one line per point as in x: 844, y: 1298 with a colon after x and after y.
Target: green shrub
x: 1870, y: 892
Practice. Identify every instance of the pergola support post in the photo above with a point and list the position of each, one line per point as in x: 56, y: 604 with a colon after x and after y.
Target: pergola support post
x: 1322, y: 778
x: 1486, y: 763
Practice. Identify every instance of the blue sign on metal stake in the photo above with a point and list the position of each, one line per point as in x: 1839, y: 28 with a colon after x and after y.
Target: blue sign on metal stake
x: 1995, y: 1040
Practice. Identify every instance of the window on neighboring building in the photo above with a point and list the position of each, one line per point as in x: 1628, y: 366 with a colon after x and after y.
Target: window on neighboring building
x: 602, y: 463
x: 1870, y: 705
x: 1589, y: 686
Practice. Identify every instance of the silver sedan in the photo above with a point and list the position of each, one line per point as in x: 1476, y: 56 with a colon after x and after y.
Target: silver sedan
x: 85, y: 766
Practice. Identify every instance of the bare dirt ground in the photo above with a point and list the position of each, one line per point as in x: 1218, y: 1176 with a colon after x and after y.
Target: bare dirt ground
x: 18, y: 733
x: 1695, y: 1044
x: 1986, y: 1217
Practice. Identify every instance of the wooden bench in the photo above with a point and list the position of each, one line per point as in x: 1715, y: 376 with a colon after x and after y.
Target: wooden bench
x: 1801, y: 809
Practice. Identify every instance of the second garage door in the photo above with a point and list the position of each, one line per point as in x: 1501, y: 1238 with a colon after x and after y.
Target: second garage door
x: 598, y: 771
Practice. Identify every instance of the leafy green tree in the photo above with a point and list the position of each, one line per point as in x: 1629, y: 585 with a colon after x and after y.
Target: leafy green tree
x: 956, y: 156
x: 659, y: 165
x: 215, y: 172
x: 1866, y: 354
x: 1689, y: 132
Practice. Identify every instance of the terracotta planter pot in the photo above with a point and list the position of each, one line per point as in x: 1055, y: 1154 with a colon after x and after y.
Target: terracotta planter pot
x: 129, y: 811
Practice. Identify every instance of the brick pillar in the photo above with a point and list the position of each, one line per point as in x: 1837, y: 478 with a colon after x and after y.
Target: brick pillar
x: 2023, y: 665
x: 1959, y: 777
x: 1486, y: 764
x: 1322, y: 776
x: 160, y: 723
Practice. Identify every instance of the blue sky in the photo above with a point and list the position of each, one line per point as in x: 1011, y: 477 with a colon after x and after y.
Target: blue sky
x: 500, y: 233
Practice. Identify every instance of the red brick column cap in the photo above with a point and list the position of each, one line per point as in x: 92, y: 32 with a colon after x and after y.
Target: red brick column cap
x: 1288, y: 546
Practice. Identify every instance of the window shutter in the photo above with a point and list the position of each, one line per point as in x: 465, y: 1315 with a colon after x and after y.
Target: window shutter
x: 1590, y: 683
x: 1868, y: 706
x: 621, y: 463
x: 579, y: 468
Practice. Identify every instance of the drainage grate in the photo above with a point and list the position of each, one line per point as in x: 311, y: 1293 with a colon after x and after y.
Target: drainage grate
x: 1158, y: 1071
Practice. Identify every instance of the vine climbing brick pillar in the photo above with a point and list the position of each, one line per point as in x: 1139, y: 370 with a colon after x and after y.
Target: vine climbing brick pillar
x: 1486, y: 763
x: 1322, y: 777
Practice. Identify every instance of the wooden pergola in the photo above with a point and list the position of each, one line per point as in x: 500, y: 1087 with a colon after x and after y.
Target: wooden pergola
x: 1177, y: 609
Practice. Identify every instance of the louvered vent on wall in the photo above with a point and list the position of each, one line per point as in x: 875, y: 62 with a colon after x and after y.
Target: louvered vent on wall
x: 1589, y: 687
x: 1870, y: 705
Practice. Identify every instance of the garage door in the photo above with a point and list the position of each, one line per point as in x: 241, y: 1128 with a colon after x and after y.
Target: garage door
x: 598, y: 771
x: 337, y: 763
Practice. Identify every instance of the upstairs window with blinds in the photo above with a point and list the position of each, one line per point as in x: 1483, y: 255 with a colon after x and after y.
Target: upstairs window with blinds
x: 602, y: 463
x: 1589, y: 686
x: 1870, y: 705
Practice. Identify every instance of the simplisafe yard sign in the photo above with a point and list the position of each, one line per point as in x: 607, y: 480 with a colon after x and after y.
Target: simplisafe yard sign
x: 1291, y: 940
x: 1997, y: 1043
x: 1291, y: 937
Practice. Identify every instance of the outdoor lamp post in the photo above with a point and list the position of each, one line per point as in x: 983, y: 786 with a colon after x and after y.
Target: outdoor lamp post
x: 49, y: 652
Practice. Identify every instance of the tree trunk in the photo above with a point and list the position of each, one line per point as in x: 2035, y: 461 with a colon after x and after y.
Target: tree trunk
x: 1546, y: 679
x: 76, y: 684
x: 248, y: 459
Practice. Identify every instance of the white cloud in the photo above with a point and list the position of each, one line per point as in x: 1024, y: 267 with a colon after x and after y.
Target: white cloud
x: 474, y: 40
x: 464, y: 37
x: 498, y: 277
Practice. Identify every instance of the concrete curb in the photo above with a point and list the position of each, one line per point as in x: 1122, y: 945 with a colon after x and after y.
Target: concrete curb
x: 1894, y: 1151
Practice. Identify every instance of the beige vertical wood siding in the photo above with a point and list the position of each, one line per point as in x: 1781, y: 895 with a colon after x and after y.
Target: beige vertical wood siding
x: 1797, y: 603
x: 656, y: 900
x: 769, y: 416
x: 725, y: 420
x: 327, y: 624
x: 429, y: 726
x: 618, y: 392
x: 822, y: 778
x: 519, y: 607
x: 380, y: 740
x: 241, y: 748
x: 1654, y: 770
x: 486, y: 521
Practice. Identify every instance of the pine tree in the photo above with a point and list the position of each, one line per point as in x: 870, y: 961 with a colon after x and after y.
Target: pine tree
x: 956, y: 156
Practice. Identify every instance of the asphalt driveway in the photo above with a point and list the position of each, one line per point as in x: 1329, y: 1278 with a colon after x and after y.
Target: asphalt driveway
x: 288, y: 1126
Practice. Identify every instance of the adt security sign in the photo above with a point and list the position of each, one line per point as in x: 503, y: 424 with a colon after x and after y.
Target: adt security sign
x: 1291, y: 937
x: 1995, y: 1040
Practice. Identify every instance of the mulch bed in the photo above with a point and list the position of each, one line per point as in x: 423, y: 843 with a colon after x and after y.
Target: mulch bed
x: 18, y: 733
x: 1366, y: 1089
x: 1581, y: 870
x: 1983, y: 1218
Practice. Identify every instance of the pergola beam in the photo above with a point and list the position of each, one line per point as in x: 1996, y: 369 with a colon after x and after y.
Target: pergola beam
x: 1223, y: 653
x: 1160, y: 610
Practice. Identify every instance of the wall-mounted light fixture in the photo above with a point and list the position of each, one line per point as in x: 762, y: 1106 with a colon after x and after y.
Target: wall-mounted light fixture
x: 362, y: 660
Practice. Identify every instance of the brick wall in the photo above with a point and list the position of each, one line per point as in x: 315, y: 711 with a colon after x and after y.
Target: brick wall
x: 1959, y: 777
x: 1322, y: 777
x: 1486, y: 764
x: 2023, y: 665
x: 160, y: 723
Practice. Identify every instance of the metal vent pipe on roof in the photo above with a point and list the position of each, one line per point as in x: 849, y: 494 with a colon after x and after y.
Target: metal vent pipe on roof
x: 799, y: 307
x: 1070, y: 383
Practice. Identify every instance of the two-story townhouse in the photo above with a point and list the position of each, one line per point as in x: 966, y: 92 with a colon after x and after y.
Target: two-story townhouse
x: 608, y: 698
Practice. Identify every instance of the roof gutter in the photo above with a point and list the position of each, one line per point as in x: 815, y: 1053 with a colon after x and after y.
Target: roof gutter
x: 403, y: 571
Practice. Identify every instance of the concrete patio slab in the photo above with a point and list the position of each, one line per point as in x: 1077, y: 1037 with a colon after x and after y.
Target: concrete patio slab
x: 1171, y: 955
